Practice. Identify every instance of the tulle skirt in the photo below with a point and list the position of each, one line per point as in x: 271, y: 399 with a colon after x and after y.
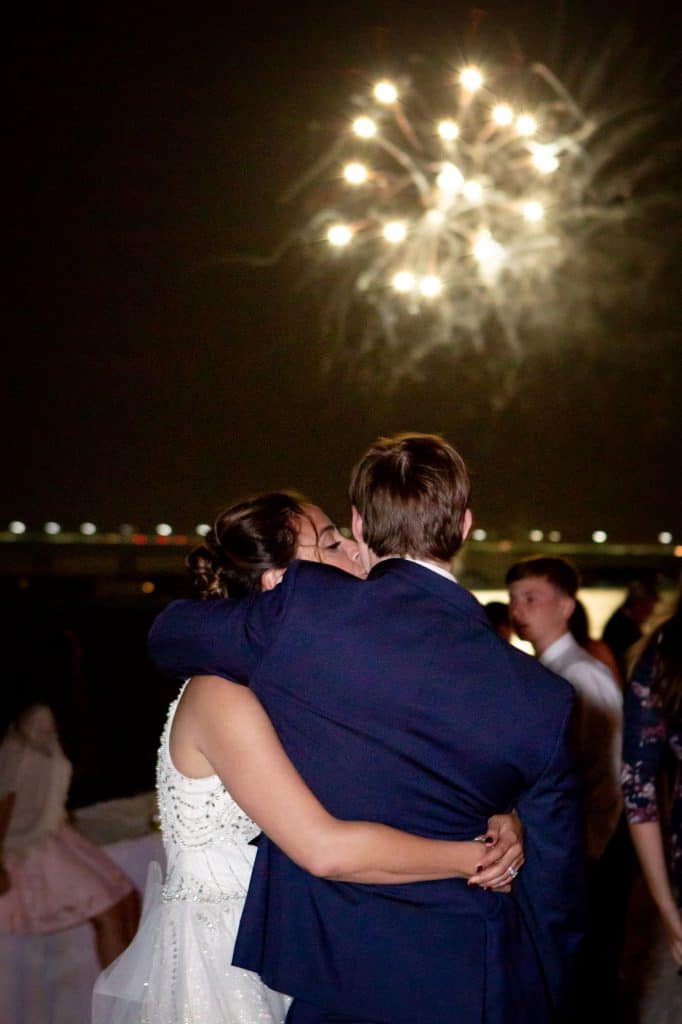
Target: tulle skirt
x: 63, y: 881
x: 177, y: 969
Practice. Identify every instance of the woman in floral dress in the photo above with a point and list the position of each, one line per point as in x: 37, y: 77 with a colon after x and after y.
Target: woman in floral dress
x: 652, y: 742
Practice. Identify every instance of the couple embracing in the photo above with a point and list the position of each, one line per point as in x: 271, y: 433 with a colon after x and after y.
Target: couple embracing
x: 402, y: 723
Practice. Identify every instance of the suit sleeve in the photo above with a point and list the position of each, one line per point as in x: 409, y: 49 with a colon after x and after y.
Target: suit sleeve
x: 551, y: 884
x: 217, y: 637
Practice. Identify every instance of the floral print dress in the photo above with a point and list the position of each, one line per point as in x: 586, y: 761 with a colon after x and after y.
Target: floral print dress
x: 648, y: 738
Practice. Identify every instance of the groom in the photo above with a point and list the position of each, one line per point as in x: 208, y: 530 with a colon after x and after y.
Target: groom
x: 398, y: 703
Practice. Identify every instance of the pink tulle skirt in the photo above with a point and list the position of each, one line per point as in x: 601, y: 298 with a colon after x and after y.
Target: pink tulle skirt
x: 63, y: 882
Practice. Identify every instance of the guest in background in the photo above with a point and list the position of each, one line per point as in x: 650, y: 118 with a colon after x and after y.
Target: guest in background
x: 52, y: 878
x: 498, y: 616
x: 624, y: 628
x: 579, y: 625
x: 542, y: 601
x: 653, y: 727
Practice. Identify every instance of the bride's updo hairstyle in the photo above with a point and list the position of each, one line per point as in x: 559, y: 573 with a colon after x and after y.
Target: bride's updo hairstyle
x: 246, y: 540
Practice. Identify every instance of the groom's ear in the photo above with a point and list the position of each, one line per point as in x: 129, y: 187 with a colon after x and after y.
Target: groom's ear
x: 466, y: 525
x: 356, y: 525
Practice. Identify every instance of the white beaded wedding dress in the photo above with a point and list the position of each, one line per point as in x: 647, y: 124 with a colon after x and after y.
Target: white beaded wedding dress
x: 178, y: 968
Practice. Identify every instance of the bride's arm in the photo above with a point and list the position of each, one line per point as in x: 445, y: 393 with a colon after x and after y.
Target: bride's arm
x: 227, y: 723
x: 647, y: 840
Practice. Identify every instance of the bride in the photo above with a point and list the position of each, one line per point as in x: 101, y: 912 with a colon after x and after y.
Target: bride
x: 222, y: 777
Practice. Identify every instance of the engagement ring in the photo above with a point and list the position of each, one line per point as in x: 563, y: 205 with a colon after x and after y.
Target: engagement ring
x: 512, y: 872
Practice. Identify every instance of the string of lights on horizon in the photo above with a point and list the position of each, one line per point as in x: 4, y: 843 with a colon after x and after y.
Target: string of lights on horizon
x: 164, y: 532
x: 444, y: 208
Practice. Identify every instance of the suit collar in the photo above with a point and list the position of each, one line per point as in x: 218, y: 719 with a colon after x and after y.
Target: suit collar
x: 420, y: 576
x: 438, y: 569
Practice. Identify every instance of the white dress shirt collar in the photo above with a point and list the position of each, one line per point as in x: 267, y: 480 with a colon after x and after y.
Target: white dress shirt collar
x: 555, y: 651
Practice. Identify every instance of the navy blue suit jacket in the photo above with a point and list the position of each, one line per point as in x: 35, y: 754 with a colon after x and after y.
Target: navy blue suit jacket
x: 398, y: 703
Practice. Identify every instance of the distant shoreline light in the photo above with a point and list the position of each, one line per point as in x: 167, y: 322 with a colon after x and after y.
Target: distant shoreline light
x: 51, y: 529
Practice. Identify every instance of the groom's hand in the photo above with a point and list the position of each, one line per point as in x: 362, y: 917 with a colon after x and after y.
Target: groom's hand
x: 503, y: 842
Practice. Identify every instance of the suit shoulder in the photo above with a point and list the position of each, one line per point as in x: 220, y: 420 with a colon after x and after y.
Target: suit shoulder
x: 538, y: 676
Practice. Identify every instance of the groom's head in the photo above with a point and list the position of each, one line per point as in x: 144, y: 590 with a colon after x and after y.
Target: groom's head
x: 410, y: 495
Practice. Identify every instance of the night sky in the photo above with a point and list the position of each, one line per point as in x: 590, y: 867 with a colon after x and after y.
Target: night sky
x: 151, y: 379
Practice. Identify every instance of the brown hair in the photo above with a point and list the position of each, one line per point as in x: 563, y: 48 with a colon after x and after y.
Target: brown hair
x: 247, y: 539
x: 555, y: 570
x: 579, y: 625
x: 412, y: 491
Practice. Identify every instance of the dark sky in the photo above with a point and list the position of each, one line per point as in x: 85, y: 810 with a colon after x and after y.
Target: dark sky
x: 149, y: 380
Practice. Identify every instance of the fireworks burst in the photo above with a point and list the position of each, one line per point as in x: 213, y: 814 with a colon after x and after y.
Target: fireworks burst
x: 443, y: 215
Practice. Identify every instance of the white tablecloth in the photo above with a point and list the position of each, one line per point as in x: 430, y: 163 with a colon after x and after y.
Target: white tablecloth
x: 48, y: 979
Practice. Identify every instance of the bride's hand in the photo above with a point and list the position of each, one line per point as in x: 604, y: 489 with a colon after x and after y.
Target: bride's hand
x: 504, y: 855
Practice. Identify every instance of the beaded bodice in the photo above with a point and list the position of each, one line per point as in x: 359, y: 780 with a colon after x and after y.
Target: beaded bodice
x: 196, y: 813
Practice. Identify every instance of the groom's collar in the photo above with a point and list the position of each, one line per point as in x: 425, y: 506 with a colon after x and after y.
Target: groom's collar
x: 433, y: 567
x: 437, y: 567
x: 425, y: 576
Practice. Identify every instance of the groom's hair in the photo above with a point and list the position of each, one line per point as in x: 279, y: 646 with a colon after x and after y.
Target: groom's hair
x: 412, y: 491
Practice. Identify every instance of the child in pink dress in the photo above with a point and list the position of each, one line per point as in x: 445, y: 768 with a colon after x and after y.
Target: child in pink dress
x: 52, y: 878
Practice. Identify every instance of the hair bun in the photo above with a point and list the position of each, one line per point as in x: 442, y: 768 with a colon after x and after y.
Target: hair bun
x: 204, y: 563
x: 247, y: 539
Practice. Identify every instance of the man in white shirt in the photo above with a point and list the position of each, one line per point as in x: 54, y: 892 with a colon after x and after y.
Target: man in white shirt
x: 542, y: 599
